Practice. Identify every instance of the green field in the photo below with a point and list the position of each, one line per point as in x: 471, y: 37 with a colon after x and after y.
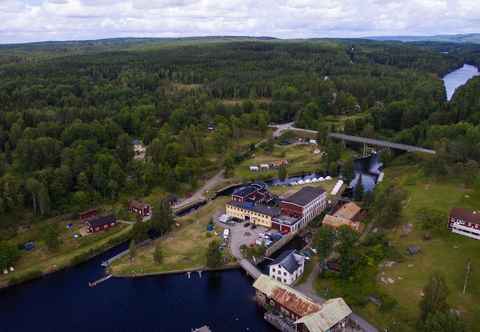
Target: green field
x: 300, y: 159
x: 183, y: 248
x: 445, y: 252
x: 42, y: 261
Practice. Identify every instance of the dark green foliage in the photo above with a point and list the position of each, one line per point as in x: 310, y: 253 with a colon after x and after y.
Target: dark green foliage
x: 435, y: 297
x: 8, y: 255
x: 387, y: 205
x: 444, y: 322
x: 162, y: 218
x: 214, y: 255
x: 282, y: 172
x: 359, y: 190
x: 348, y: 170
x: 432, y: 219
x: 324, y: 240
x: 158, y: 254
x: 132, y: 249
x: 51, y: 236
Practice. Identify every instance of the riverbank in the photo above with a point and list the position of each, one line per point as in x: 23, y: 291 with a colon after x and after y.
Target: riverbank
x: 29, y: 269
x: 184, y: 248
x: 232, y: 266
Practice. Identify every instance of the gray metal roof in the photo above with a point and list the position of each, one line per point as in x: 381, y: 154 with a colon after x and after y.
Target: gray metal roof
x: 304, y: 196
x: 288, y: 261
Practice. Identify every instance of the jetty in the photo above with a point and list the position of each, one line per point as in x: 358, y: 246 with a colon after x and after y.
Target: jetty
x: 99, y: 281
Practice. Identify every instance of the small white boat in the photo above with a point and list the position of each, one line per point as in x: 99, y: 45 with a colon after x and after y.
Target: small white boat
x: 301, y: 182
x: 321, y: 179
x: 328, y: 178
x: 308, y: 181
x: 294, y: 183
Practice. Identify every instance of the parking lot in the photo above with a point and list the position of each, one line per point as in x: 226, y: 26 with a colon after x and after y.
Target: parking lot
x: 240, y: 234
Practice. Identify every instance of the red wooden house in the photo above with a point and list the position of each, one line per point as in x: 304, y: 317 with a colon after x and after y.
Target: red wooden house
x: 101, y: 223
x: 141, y: 209
x: 87, y: 215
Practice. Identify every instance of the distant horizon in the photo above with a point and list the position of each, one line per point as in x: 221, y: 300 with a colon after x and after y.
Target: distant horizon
x: 370, y: 37
x: 28, y: 21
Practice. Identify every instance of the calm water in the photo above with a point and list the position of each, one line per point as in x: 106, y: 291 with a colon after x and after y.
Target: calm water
x: 370, y: 169
x: 64, y: 302
x: 458, y: 78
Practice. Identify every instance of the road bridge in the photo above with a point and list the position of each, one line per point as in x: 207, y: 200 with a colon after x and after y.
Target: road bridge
x: 375, y: 142
x: 251, y: 269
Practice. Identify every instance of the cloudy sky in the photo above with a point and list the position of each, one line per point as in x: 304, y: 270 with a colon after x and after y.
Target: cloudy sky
x: 39, y: 20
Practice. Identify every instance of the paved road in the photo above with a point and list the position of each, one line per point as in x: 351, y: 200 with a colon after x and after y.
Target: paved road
x: 199, y: 195
x: 280, y: 128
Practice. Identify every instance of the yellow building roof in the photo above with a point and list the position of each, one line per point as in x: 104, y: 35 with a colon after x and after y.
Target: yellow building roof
x: 331, y: 313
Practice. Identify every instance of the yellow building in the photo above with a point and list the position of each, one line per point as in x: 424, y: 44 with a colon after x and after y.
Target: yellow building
x: 257, y: 214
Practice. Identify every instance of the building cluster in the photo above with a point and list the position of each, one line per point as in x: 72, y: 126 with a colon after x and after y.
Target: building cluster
x: 95, y: 223
x: 253, y: 203
x: 267, y: 166
x: 349, y: 214
x: 465, y: 222
x: 289, y: 310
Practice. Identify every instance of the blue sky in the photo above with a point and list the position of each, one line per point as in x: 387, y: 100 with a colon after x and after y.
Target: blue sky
x: 39, y: 20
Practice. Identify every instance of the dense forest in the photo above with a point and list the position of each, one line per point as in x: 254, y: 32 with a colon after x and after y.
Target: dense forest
x: 67, y: 121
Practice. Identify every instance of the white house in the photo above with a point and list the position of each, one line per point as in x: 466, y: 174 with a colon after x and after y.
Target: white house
x: 288, y: 267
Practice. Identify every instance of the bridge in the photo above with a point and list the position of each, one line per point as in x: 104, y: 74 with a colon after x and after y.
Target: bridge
x: 251, y: 269
x: 375, y: 142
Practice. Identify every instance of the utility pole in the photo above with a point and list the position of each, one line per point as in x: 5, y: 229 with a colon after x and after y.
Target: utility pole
x: 467, y: 275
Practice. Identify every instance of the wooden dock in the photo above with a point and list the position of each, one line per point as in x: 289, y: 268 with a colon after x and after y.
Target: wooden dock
x: 99, y: 281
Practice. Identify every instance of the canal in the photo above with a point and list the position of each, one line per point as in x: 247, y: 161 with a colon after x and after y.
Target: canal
x: 457, y: 78
x: 63, y: 302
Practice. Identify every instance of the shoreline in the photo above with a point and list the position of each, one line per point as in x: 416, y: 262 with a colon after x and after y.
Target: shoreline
x: 94, y: 251
x: 174, y: 272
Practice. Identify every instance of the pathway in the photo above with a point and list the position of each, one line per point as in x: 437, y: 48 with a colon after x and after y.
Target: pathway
x: 199, y: 195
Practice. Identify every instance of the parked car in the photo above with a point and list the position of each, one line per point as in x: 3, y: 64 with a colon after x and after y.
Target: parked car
x: 246, y: 224
x: 253, y: 226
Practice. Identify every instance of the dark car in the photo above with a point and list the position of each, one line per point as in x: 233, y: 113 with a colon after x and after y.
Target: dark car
x: 253, y: 226
x: 246, y: 224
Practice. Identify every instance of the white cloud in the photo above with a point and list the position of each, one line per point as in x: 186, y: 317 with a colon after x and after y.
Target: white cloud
x: 33, y: 20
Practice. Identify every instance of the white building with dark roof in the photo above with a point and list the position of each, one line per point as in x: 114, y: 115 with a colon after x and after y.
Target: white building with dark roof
x: 288, y: 267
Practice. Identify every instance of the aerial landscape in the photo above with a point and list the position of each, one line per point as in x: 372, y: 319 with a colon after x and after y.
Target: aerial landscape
x: 293, y: 166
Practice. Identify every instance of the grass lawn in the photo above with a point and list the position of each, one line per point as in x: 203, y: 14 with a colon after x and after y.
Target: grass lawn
x: 300, y: 159
x: 184, y: 247
x: 447, y: 253
x: 42, y: 260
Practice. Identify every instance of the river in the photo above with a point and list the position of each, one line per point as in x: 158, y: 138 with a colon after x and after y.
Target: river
x: 63, y: 302
x: 458, y: 78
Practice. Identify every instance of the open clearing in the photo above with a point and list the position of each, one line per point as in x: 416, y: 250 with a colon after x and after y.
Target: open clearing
x: 184, y: 247
x: 445, y: 252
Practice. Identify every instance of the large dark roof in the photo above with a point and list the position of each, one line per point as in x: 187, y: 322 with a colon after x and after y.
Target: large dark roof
x: 263, y: 209
x: 245, y: 191
x: 304, y: 196
x: 100, y: 221
x: 466, y: 215
x: 288, y: 261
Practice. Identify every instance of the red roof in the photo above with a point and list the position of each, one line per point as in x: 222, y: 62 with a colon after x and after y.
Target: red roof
x: 466, y: 215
